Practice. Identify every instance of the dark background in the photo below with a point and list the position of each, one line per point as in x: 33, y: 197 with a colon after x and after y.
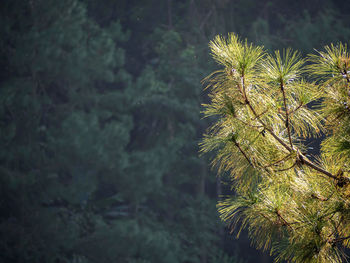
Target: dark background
x: 100, y: 123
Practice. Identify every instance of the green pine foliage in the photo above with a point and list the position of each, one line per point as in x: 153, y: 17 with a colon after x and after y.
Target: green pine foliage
x: 294, y: 205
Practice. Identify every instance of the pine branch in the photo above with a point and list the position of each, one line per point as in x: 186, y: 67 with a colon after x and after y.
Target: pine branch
x: 339, y: 239
x: 303, y: 159
x: 279, y: 161
x: 288, y: 168
x: 287, y: 115
x: 283, y: 220
x: 321, y: 198
x: 250, y: 125
x: 252, y: 85
x: 242, y: 152
x: 297, y: 108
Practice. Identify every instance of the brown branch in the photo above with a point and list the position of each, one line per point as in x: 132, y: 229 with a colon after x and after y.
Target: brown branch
x: 251, y: 125
x: 336, y: 231
x: 286, y: 169
x: 319, y: 169
x: 285, y: 145
x: 258, y: 118
x: 339, y: 239
x: 319, y: 197
x: 302, y: 159
x: 283, y: 220
x: 287, y: 115
x: 242, y: 152
x: 260, y: 115
x: 297, y: 108
x: 280, y: 160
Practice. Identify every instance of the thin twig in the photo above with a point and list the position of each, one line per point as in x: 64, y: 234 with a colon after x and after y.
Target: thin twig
x: 251, y: 125
x: 260, y: 115
x: 284, y: 221
x: 280, y: 160
x: 244, y: 154
x: 319, y: 197
x: 339, y: 239
x: 297, y: 108
x: 287, y: 115
x: 286, y: 169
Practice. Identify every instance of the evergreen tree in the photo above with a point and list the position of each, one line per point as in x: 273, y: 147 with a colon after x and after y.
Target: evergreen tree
x: 293, y: 204
x: 96, y: 167
x: 61, y: 132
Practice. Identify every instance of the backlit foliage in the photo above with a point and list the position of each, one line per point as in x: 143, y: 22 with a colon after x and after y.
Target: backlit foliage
x: 294, y: 205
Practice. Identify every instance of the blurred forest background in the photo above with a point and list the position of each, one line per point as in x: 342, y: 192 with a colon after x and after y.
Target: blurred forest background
x: 100, y: 122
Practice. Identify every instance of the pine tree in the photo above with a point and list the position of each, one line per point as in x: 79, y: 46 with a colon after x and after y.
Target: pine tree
x: 267, y: 105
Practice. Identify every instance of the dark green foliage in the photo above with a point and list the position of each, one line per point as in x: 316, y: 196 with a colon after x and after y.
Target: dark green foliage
x: 60, y: 132
x: 98, y: 163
